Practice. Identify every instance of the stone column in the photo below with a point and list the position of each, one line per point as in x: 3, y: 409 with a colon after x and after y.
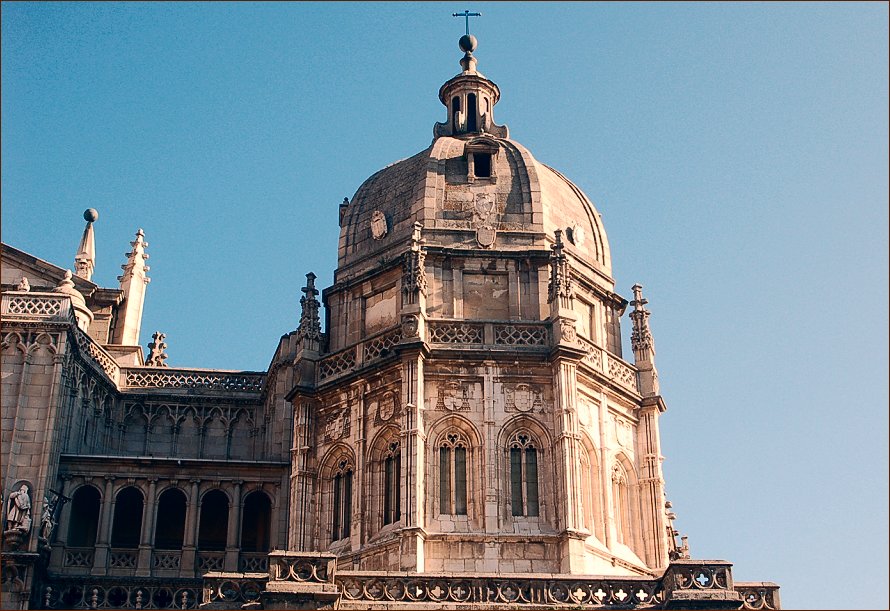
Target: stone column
x: 149, y: 509
x: 411, y: 557
x: 190, y: 537
x: 652, y: 497
x: 233, y: 545
x: 100, y: 560
x: 64, y: 519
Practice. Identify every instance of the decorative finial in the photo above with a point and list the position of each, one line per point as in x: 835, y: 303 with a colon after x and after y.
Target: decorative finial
x: 678, y: 550
x: 641, y: 337
x: 85, y: 259
x: 560, y: 286
x: 66, y: 284
x: 136, y: 259
x: 467, y: 43
x: 310, y: 323
x: 414, y: 266
x: 466, y: 15
x: 24, y: 285
x: 157, y: 350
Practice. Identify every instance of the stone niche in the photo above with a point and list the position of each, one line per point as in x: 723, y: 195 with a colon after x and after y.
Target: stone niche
x: 486, y: 296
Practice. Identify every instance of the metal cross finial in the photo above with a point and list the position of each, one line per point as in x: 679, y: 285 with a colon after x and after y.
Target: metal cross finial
x: 466, y: 15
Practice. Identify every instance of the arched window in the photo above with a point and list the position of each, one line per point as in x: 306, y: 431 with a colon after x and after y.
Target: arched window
x: 170, y: 524
x: 127, y: 519
x: 471, y: 112
x: 455, y: 114
x: 453, y: 474
x: 392, y: 489
x: 620, y: 504
x: 84, y: 517
x: 255, y: 522
x: 523, y: 475
x: 214, y: 521
x: 341, y: 517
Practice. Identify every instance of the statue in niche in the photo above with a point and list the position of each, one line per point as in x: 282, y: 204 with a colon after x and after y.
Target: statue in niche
x: 47, y: 524
x: 18, y: 515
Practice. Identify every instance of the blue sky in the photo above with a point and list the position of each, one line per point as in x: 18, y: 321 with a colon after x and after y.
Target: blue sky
x: 738, y: 154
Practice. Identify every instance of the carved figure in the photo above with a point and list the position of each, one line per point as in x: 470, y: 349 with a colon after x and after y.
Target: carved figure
x: 47, y: 524
x: 18, y: 516
x: 24, y: 285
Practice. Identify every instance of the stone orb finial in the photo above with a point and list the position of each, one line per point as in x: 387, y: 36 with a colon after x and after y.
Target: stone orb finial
x: 467, y: 43
x: 90, y: 215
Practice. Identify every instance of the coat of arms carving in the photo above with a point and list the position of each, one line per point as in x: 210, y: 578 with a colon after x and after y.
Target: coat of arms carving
x: 523, y: 398
x: 453, y: 396
x: 379, y: 227
x: 336, y: 425
x: 485, y: 218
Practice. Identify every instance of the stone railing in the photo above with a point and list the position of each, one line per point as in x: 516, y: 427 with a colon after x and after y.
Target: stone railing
x: 211, y: 561
x: 366, y: 351
x: 78, y: 557
x: 166, y: 378
x: 485, y: 333
x: 253, y: 562
x: 758, y: 594
x: 116, y: 593
x: 36, y: 305
x: 89, y: 349
x: 359, y: 590
x: 308, y: 576
x: 609, y: 365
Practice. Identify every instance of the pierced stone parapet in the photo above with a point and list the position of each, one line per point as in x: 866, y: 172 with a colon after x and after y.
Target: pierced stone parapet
x: 521, y: 335
x: 105, y: 362
x: 152, y: 377
x: 381, y: 345
x: 514, y: 590
x: 36, y: 305
x: 336, y: 364
x: 700, y: 584
x: 79, y: 557
x: 609, y: 365
x: 123, y: 559
x: 455, y: 332
x: 165, y: 560
x: 211, y: 561
x: 120, y: 592
x: 253, y: 562
x: 759, y: 595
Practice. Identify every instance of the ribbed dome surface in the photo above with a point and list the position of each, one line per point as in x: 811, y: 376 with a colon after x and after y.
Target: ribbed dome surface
x: 524, y: 200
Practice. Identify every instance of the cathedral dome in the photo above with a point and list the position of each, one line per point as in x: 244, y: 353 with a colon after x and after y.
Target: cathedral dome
x: 474, y: 188
x: 469, y: 191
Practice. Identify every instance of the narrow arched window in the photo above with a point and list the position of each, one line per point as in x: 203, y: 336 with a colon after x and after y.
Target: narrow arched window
x: 523, y: 475
x: 455, y: 114
x: 84, y: 517
x: 341, y: 518
x: 392, y: 492
x: 453, y: 474
x: 471, y: 112
x: 620, y: 503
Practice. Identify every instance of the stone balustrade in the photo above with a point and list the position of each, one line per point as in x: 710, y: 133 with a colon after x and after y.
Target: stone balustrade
x: 167, y: 379
x: 311, y: 576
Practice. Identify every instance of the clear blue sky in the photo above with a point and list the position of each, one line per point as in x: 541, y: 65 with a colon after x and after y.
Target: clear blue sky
x: 738, y: 154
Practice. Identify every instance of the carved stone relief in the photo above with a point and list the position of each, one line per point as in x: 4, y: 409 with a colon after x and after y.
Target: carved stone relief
x: 453, y: 396
x: 336, y: 425
x: 379, y: 227
x: 523, y: 397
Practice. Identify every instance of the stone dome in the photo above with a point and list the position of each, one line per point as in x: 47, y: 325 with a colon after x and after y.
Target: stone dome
x: 518, y: 203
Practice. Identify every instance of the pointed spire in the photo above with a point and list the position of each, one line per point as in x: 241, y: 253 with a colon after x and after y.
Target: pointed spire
x: 642, y: 344
x: 310, y: 324
x: 85, y: 259
x: 414, y: 267
x: 133, y: 282
x: 560, y: 286
x: 136, y: 258
x: 641, y: 339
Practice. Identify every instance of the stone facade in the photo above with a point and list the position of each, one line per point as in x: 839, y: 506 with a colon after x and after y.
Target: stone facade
x: 465, y: 431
